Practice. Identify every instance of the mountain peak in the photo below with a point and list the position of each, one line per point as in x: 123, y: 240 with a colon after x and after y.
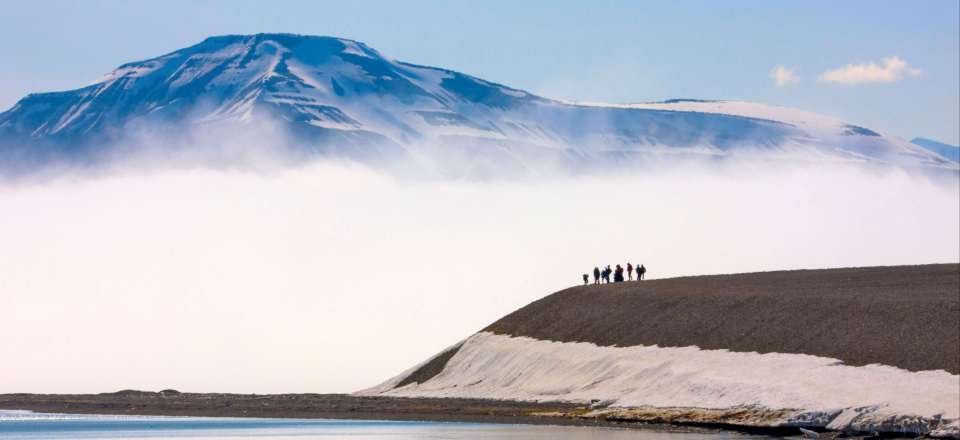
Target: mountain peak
x: 288, y: 40
x: 272, y: 36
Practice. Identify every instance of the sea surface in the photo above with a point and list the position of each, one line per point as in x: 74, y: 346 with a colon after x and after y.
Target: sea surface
x: 29, y: 425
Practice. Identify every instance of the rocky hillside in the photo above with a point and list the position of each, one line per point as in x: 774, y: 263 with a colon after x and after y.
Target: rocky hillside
x: 899, y: 316
x: 858, y: 349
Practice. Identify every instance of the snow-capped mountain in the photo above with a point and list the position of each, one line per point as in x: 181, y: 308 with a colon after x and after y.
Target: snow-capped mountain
x: 340, y: 97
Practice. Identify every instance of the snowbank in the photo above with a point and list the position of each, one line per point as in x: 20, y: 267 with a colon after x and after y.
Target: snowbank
x: 796, y: 389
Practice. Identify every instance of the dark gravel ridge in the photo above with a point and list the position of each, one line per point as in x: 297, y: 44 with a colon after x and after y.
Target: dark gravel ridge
x: 904, y: 316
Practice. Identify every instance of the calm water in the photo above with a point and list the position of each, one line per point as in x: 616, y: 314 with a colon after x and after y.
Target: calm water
x: 28, y: 425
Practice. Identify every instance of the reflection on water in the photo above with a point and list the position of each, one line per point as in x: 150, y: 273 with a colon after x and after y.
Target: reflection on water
x: 28, y: 425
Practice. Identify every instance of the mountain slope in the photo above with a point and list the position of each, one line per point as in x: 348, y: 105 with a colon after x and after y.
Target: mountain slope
x: 951, y: 152
x: 801, y: 348
x: 340, y: 97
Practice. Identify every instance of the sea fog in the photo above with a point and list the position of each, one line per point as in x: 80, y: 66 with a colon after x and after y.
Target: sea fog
x: 332, y: 277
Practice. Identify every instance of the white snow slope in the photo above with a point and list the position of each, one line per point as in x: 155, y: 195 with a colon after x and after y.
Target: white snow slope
x: 815, y: 391
x: 822, y: 129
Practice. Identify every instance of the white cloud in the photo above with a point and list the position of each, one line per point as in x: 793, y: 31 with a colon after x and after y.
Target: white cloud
x: 784, y: 76
x: 891, y: 69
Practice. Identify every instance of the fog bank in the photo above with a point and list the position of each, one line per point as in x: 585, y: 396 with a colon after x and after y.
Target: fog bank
x: 331, y: 278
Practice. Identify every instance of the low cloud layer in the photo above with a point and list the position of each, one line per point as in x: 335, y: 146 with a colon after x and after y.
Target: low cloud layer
x: 331, y: 278
x: 889, y: 70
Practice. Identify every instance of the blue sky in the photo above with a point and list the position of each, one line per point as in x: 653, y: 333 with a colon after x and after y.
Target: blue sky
x: 616, y: 51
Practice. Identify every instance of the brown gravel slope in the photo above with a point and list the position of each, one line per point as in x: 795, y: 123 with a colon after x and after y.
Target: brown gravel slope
x: 905, y: 316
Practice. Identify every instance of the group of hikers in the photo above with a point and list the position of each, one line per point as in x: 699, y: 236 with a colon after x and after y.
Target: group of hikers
x: 604, y: 275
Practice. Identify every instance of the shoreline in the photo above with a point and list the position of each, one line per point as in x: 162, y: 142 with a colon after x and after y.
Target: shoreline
x: 349, y: 407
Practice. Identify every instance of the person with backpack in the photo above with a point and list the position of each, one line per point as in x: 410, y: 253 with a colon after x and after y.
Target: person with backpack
x: 630, y: 271
x: 618, y: 274
x: 596, y: 275
x: 586, y: 279
x: 641, y: 272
